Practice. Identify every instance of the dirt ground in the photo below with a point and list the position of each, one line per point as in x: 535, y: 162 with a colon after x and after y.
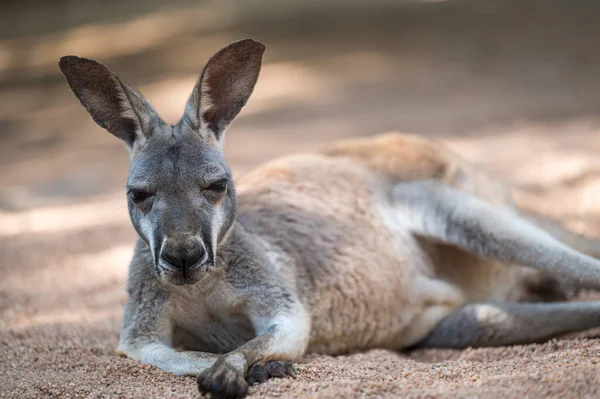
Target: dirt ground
x: 510, y: 85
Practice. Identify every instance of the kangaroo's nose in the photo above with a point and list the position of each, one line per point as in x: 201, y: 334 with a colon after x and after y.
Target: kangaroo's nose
x: 183, y: 258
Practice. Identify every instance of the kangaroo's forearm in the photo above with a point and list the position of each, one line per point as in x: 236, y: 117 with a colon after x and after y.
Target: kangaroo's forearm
x: 180, y: 363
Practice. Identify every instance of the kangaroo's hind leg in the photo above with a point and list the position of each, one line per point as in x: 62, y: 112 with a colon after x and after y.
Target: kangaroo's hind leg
x: 511, y: 324
x: 440, y: 213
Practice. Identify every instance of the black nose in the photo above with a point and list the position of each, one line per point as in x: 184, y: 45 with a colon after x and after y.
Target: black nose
x: 185, y: 258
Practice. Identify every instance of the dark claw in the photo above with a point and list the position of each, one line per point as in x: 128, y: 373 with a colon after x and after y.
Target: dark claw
x: 236, y: 390
x: 218, y: 385
x: 261, y: 372
x: 202, y: 383
x: 290, y: 369
x: 275, y: 369
x: 258, y: 373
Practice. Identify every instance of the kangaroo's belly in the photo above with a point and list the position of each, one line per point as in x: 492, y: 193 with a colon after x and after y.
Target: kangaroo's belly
x: 351, y: 318
x: 379, y: 293
x: 390, y: 291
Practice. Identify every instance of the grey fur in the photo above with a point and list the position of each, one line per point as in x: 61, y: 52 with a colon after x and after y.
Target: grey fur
x: 350, y: 249
x: 511, y: 323
x: 450, y: 216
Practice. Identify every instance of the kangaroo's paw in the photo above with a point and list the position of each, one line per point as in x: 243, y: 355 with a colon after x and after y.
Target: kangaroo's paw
x: 222, y: 381
x: 261, y: 372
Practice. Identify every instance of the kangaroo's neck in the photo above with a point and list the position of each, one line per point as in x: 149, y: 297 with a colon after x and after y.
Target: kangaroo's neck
x: 239, y: 248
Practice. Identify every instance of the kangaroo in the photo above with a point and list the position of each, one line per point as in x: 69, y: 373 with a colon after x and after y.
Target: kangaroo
x: 390, y: 241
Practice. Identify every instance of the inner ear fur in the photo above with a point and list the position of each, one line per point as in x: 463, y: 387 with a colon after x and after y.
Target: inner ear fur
x: 113, y: 105
x: 225, y: 85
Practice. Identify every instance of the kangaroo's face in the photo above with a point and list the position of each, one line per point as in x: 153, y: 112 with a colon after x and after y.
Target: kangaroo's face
x: 180, y: 191
x: 181, y: 201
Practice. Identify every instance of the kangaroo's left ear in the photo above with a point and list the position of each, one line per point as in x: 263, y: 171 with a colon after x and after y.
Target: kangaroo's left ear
x: 116, y: 107
x: 224, y: 87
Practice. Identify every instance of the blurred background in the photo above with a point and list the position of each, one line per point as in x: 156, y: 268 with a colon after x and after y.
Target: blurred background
x: 512, y: 85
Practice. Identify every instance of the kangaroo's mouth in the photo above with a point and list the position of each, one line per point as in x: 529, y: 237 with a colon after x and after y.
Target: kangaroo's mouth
x: 186, y: 276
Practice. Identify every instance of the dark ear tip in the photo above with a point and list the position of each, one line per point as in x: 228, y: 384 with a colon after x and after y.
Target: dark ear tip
x: 67, y: 62
x: 251, y: 45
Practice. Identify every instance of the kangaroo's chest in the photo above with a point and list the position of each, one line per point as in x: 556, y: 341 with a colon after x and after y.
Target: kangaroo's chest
x: 208, y: 326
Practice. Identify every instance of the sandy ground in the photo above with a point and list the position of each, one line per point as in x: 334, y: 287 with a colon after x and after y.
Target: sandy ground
x: 510, y: 85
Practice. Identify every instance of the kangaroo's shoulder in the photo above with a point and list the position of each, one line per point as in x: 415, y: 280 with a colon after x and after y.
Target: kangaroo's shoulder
x: 304, y: 169
x: 298, y: 185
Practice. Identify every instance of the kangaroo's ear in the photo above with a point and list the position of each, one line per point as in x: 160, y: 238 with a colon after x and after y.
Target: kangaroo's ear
x: 115, y: 106
x: 224, y: 86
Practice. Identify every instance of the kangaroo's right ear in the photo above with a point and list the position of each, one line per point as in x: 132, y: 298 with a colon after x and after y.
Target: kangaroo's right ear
x: 115, y: 106
x: 224, y: 86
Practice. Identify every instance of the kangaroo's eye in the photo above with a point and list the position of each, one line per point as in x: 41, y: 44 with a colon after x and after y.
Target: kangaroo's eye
x: 218, y: 186
x: 139, y: 195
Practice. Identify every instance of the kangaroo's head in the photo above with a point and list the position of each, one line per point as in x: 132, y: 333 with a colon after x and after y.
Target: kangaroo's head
x: 180, y: 192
